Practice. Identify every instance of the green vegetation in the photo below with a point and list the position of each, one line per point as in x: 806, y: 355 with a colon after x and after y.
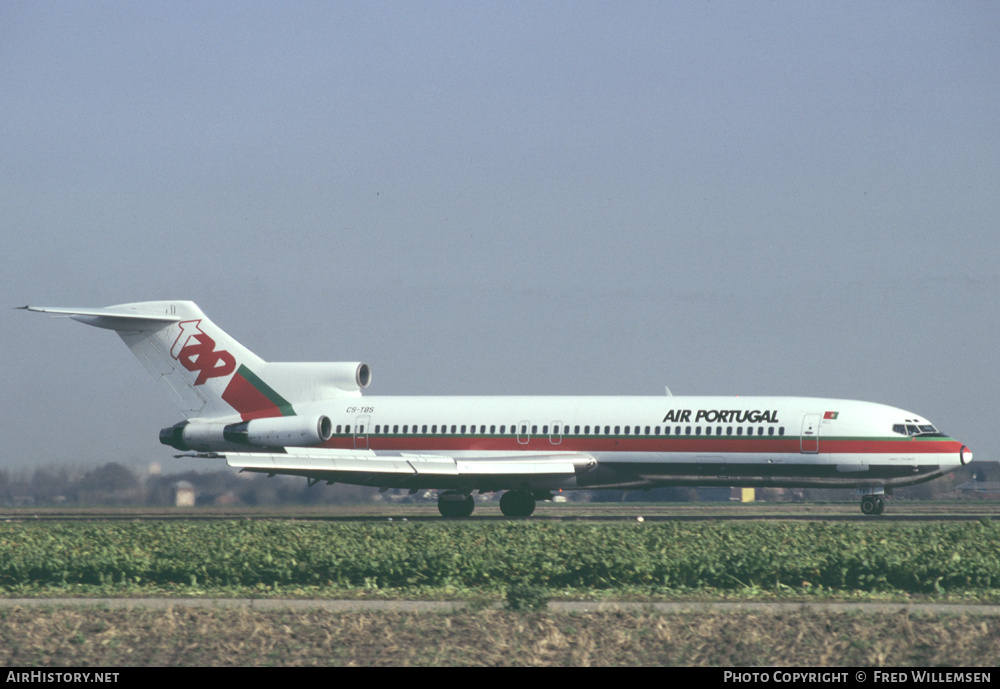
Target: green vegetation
x: 522, y: 597
x: 469, y: 560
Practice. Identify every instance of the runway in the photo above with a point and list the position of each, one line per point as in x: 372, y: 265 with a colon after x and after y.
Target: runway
x: 604, y: 512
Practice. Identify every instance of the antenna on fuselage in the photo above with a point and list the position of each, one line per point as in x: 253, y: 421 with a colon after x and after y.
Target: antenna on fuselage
x: 669, y: 394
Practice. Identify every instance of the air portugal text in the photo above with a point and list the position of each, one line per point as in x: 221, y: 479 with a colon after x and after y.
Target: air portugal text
x: 722, y: 416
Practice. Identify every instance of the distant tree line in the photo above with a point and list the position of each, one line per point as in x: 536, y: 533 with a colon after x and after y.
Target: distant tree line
x: 115, y: 484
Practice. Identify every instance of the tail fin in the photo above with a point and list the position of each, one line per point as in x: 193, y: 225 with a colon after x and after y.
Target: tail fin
x: 206, y: 372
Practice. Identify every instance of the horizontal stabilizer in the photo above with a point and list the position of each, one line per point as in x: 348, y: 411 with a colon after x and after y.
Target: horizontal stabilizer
x: 113, y: 317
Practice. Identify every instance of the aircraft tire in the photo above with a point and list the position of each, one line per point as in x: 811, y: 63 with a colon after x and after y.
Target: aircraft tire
x: 517, y: 503
x: 456, y: 509
x: 870, y: 505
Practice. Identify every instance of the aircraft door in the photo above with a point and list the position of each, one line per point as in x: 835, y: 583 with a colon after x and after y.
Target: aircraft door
x: 809, y: 441
x: 361, y: 425
x: 555, y: 437
x: 524, y: 432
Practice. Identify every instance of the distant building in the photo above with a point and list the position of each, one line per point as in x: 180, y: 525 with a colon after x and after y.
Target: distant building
x: 184, y: 494
x: 985, y: 479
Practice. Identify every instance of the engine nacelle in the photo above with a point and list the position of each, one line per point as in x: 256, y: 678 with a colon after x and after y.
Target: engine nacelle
x: 201, y: 437
x: 311, y: 382
x: 279, y: 431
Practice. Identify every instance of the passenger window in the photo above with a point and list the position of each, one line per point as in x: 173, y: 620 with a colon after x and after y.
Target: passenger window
x: 770, y: 431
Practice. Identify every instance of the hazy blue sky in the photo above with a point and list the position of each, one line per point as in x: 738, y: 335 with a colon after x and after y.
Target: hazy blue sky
x: 504, y: 198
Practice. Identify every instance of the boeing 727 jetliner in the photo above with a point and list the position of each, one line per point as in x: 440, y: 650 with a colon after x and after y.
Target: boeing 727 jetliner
x: 310, y: 419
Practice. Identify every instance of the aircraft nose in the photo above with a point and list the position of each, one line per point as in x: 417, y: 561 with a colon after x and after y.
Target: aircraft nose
x: 965, y: 455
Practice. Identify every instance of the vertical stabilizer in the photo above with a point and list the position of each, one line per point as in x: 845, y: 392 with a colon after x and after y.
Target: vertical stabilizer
x: 193, y: 359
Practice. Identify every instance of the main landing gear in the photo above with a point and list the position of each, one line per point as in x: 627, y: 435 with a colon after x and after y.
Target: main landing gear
x: 455, y: 505
x: 873, y: 503
x: 517, y: 503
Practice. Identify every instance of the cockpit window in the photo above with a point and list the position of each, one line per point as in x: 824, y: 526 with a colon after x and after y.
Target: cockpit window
x: 913, y: 429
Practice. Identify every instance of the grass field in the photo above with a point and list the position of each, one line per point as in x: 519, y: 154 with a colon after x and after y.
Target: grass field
x: 73, y: 637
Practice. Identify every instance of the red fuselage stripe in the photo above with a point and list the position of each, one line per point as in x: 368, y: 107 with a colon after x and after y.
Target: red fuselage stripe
x: 705, y: 444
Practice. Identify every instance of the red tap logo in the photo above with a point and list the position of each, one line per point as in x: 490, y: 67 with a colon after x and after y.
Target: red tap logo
x: 196, y: 352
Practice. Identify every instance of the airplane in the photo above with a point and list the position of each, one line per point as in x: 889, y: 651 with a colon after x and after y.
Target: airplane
x: 311, y: 420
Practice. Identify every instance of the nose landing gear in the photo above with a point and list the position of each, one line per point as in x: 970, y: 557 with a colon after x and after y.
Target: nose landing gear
x: 872, y: 501
x: 872, y: 504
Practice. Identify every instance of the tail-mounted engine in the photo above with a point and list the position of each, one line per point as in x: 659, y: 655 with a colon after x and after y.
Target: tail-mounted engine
x: 279, y: 431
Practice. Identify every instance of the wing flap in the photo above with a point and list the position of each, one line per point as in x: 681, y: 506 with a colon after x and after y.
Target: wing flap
x: 332, y: 461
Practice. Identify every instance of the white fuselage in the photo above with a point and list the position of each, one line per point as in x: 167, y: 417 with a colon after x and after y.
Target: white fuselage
x: 631, y: 441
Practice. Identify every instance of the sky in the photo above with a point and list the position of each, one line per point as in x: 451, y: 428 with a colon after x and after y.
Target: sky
x: 725, y: 198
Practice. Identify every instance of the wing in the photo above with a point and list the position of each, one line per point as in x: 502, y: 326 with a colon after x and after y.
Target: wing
x: 420, y: 471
